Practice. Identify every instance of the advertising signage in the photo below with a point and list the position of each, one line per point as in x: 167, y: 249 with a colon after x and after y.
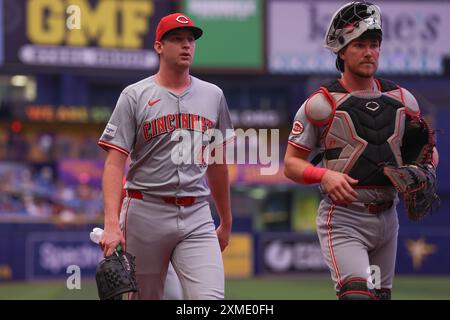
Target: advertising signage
x: 113, y: 34
x: 415, y: 36
x: 233, y: 33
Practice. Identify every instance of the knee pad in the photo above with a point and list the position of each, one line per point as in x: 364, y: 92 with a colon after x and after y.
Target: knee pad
x: 356, y: 289
x: 383, y: 294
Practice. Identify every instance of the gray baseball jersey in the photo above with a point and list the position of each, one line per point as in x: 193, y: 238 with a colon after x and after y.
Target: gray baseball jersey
x: 149, y: 122
x: 356, y: 133
x: 164, y: 134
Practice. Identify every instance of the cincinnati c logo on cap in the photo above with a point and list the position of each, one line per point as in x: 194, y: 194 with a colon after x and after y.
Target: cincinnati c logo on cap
x: 182, y: 19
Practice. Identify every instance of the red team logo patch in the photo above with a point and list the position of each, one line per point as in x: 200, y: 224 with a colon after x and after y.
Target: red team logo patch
x: 297, y: 128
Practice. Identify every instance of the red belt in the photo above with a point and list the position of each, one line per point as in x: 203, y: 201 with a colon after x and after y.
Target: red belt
x: 134, y: 194
x: 182, y: 202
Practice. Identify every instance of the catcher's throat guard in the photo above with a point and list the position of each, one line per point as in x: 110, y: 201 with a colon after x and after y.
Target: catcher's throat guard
x: 115, y: 276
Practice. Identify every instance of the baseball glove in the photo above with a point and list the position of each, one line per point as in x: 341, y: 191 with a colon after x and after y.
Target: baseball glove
x: 418, y: 141
x: 417, y: 186
x: 115, y: 276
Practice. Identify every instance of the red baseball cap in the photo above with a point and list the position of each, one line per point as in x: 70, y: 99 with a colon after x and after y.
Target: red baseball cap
x: 175, y: 21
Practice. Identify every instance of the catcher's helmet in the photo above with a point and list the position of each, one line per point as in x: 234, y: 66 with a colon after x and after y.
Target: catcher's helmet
x: 352, y: 21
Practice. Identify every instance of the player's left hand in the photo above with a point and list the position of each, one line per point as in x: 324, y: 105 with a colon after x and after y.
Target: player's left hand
x: 223, y: 235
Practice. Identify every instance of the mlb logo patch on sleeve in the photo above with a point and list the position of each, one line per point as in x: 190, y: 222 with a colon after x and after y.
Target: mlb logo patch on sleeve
x: 110, y: 130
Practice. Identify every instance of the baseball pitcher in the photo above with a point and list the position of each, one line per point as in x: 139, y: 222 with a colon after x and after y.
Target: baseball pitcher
x: 165, y: 216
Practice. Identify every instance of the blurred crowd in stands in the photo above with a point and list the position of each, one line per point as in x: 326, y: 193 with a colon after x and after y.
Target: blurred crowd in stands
x: 48, y: 146
x: 54, y: 172
x: 32, y: 181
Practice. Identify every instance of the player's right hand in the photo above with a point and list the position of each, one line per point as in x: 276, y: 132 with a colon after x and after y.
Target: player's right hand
x: 339, y: 188
x: 110, y: 239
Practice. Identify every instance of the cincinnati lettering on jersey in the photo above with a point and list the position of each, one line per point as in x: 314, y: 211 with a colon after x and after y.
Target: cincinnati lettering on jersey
x: 171, y: 122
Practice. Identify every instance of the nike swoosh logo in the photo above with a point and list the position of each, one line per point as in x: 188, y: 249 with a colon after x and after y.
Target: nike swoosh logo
x: 151, y: 103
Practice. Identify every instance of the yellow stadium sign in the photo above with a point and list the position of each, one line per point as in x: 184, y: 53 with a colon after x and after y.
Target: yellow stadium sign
x: 238, y: 256
x: 108, y: 24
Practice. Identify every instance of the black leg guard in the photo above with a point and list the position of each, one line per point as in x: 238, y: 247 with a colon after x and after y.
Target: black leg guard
x: 383, y: 294
x: 356, y: 289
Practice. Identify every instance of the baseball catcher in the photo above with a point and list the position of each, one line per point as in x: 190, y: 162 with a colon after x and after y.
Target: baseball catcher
x: 116, y: 275
x: 373, y: 144
x: 416, y: 179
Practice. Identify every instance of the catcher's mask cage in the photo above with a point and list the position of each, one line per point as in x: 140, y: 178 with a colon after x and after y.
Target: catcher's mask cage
x: 351, y: 21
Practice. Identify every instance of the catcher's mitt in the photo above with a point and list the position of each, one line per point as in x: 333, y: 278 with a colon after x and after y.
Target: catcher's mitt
x: 116, y: 275
x: 418, y: 141
x: 417, y: 185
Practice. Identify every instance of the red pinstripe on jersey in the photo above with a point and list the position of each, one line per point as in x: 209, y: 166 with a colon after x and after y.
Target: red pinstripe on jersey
x: 330, y: 246
x: 125, y: 221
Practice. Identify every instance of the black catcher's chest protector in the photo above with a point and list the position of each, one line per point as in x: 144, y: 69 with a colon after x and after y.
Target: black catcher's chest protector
x: 367, y: 124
